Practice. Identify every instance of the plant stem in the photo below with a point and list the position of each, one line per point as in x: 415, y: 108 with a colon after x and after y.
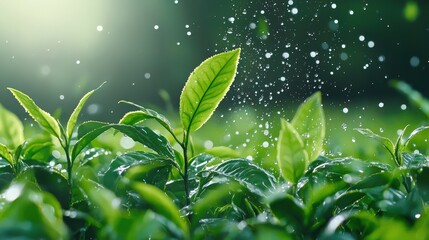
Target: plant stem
x: 186, y: 166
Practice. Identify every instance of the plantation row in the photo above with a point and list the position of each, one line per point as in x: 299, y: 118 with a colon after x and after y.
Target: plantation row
x: 173, y: 193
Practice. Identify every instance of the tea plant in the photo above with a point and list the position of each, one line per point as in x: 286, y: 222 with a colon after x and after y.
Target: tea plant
x: 166, y: 190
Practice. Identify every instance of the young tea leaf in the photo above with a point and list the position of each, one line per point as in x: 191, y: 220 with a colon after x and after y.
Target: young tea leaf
x: 161, y: 204
x: 11, y: 128
x: 43, y: 118
x: 206, y: 87
x: 143, y: 114
x: 291, y: 153
x: 309, y: 122
x: 75, y: 114
x: 387, y: 143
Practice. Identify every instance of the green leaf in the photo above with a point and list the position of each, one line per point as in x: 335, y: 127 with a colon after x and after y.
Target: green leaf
x: 414, y: 133
x: 249, y: 175
x: 291, y: 154
x: 90, y: 130
x: 206, y: 87
x: 162, y: 204
x: 309, y: 122
x: 27, y: 213
x: 147, y: 163
x: 143, y: 114
x: 41, y: 117
x: 413, y: 96
x: 75, y: 114
x: 11, y: 128
x: 387, y: 143
x: 6, y: 155
x: 292, y: 214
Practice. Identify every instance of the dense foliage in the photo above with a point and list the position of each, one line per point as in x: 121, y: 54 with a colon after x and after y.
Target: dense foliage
x: 167, y: 191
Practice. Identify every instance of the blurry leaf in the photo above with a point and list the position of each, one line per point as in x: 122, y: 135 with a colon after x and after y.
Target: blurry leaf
x: 139, y: 134
x: 413, y: 96
x: 43, y: 118
x: 387, y: 143
x: 6, y: 154
x: 50, y: 180
x: 205, y: 89
x: 213, y: 198
x: 287, y: 209
x: 75, y: 114
x: 221, y: 228
x: 11, y: 128
x: 132, y: 118
x: 376, y: 180
x: 249, y: 175
x: 223, y: 152
x: 147, y: 162
x: 422, y: 183
x: 291, y: 154
x: 411, y: 11
x: 162, y: 204
x: 30, y: 214
x: 104, y: 199
x: 414, y: 133
x: 270, y: 231
x: 309, y: 122
x: 263, y: 28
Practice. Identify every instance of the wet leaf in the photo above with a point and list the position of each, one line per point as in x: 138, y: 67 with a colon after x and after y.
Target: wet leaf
x: 41, y: 117
x: 206, y: 87
x: 6, y: 154
x: 309, y: 122
x: 146, y: 163
x: 249, y: 175
x: 291, y: 154
x: 91, y: 130
x: 387, y: 143
x: 135, y: 117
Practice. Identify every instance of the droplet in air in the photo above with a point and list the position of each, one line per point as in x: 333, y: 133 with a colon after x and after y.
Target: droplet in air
x: 371, y: 44
x: 78, y: 62
x: 127, y: 142
x: 99, y: 28
x: 344, y: 56
x: 361, y: 38
x: 403, y: 107
x: 294, y: 11
x: 333, y: 5
x: 414, y: 61
x: 313, y: 54
x: 351, y: 12
x: 156, y: 27
x: 285, y: 55
x: 188, y: 33
x: 231, y: 19
x: 381, y: 104
x: 381, y: 58
x: 345, y: 110
x: 61, y: 97
x: 147, y: 75
x: 265, y: 144
x: 268, y: 54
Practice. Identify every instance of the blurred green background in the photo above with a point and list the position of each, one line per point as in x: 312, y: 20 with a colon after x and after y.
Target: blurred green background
x: 55, y: 51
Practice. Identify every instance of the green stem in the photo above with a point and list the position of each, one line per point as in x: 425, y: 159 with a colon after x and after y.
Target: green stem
x: 186, y: 166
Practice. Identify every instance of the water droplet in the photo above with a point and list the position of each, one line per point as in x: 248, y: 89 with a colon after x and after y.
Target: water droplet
x: 61, y: 97
x: 403, y: 107
x: 361, y: 38
x: 294, y: 11
x: 188, y: 33
x: 147, y: 75
x: 285, y: 55
x: 268, y: 54
x: 78, y: 62
x: 208, y: 144
x: 156, y: 27
x: 99, y: 28
x: 231, y: 19
x: 265, y: 144
x: 351, y: 12
x: 381, y: 104
x: 345, y: 110
x: 333, y: 5
x: 414, y: 61
x: 371, y: 44
x: 313, y: 54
